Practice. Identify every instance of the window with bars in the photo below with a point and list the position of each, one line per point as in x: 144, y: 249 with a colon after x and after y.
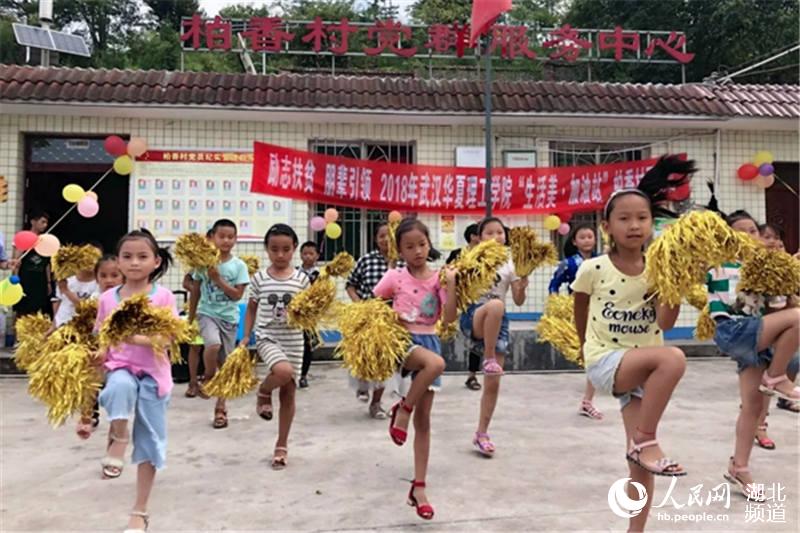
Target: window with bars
x: 358, y: 225
x: 567, y: 154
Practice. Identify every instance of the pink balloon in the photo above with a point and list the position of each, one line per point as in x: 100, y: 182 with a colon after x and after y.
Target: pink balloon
x: 136, y: 147
x: 25, y: 240
x: 115, y: 146
x: 765, y: 182
x: 563, y: 229
x: 88, y: 207
x: 318, y: 223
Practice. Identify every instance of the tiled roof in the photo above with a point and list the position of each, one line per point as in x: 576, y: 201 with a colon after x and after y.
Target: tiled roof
x: 310, y: 91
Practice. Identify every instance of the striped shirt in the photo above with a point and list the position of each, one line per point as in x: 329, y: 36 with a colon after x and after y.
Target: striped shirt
x: 723, y: 298
x: 273, y: 296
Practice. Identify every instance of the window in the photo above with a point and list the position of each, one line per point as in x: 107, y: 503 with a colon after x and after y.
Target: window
x: 358, y: 225
x: 567, y: 154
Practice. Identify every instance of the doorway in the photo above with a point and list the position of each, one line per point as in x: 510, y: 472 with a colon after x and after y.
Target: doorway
x: 782, y: 203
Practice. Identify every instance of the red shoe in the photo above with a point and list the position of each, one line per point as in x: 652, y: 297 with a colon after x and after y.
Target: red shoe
x: 398, y: 435
x: 425, y: 510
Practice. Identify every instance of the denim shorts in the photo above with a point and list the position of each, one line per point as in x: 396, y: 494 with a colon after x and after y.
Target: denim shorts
x: 429, y: 342
x: 465, y: 323
x: 738, y: 339
x: 603, y: 372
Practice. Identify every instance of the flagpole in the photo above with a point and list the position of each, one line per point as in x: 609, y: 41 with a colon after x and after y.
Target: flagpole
x: 487, y: 104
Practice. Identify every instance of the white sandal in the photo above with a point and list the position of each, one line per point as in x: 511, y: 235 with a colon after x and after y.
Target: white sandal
x: 768, y: 387
x: 113, y: 466
x: 749, y: 491
x: 146, y: 519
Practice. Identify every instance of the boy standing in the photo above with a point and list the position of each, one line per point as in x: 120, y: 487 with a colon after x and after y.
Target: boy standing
x: 309, y: 253
x: 218, y: 292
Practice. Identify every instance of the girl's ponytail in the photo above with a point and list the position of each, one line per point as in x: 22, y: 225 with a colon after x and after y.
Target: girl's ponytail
x: 166, y: 262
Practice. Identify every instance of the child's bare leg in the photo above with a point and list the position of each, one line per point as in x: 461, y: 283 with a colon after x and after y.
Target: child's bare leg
x: 631, y: 415
x: 428, y: 366
x: 752, y: 403
x: 377, y: 394
x: 145, y: 477
x: 588, y: 392
x: 118, y: 437
x: 762, y: 417
x: 422, y: 442
x: 194, y: 364
x: 486, y: 325
x: 210, y: 360
x: 491, y: 390
x: 781, y: 331
x: 286, y: 413
x: 658, y: 370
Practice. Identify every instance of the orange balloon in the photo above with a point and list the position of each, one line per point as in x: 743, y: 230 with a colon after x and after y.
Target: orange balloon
x: 765, y: 182
x: 331, y: 215
x: 395, y: 216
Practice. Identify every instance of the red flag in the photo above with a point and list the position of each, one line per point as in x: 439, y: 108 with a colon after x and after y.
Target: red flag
x: 484, y: 13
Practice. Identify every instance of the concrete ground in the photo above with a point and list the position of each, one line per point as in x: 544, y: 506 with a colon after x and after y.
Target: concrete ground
x: 552, y: 471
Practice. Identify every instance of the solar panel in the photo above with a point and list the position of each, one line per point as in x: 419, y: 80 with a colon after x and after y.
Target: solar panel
x: 57, y: 41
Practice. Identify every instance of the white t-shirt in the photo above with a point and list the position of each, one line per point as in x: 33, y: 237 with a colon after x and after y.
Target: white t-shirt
x: 505, y: 276
x: 66, y: 309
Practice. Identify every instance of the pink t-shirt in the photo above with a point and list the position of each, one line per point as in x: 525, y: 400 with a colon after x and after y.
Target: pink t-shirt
x: 139, y: 360
x: 419, y: 302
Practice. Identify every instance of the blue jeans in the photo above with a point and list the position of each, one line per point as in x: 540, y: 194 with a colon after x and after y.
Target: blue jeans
x: 738, y: 339
x: 429, y: 342
x: 466, y: 322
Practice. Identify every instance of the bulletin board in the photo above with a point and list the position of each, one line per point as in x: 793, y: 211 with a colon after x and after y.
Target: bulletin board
x: 180, y: 191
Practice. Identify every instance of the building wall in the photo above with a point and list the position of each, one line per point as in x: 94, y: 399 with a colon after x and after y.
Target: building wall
x: 434, y: 145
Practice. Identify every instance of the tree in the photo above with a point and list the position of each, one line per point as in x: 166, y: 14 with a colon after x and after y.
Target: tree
x: 169, y: 12
x: 440, y: 11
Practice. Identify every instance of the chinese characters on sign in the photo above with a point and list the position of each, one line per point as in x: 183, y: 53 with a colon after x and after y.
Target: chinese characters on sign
x: 390, y: 37
x: 321, y: 178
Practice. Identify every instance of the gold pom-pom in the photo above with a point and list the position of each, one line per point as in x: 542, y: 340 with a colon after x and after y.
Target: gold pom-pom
x: 137, y: 316
x: 31, y: 333
x: 528, y: 253
x: 697, y: 296
x: 340, y: 266
x: 393, y: 255
x: 446, y: 331
x: 252, y: 262
x: 308, y: 307
x: 706, y: 327
x: 477, y: 269
x: 681, y: 256
x: 196, y: 253
x: 771, y: 273
x: 235, y: 378
x: 67, y: 381
x: 557, y: 327
x: 70, y: 259
x: 374, y: 342
x: 84, y: 319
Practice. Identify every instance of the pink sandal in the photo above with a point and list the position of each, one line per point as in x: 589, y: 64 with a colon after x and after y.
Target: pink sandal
x: 588, y: 409
x: 483, y: 444
x: 748, y: 490
x: 662, y: 467
x: 768, y: 387
x: 491, y: 367
x: 765, y: 442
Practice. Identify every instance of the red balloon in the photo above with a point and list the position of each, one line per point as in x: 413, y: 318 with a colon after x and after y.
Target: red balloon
x: 747, y: 172
x: 25, y: 240
x: 115, y: 146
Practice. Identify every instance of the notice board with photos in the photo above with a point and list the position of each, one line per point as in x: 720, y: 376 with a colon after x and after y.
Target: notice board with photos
x: 181, y: 191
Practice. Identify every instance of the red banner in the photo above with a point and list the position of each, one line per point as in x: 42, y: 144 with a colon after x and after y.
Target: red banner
x: 284, y: 172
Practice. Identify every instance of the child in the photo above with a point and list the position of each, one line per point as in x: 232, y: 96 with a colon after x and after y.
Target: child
x: 137, y: 379
x: 219, y: 291
x: 620, y: 329
x: 419, y: 299
x: 580, y: 246
x: 309, y: 254
x: 485, y: 323
x: 70, y: 291
x: 108, y: 276
x: 746, y: 336
x: 278, y: 345
x: 194, y: 349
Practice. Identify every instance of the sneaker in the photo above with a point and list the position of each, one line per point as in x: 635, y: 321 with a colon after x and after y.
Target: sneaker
x: 303, y: 382
x: 377, y: 412
x: 362, y: 396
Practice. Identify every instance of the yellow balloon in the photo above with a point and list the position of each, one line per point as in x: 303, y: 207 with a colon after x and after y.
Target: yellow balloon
x: 10, y: 294
x: 552, y: 222
x: 333, y: 230
x: 123, y: 165
x: 73, y: 193
x: 762, y: 157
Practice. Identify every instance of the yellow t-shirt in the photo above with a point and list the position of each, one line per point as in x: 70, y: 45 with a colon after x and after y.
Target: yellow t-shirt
x: 620, y: 314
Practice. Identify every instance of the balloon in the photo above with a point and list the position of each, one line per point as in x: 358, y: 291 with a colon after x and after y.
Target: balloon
x: 137, y: 146
x: 333, y: 230
x: 762, y: 157
x: 766, y: 169
x: 331, y: 215
x: 563, y: 229
x: 91, y: 194
x: 552, y: 222
x: 10, y: 294
x: 88, y: 207
x: 317, y: 223
x: 114, y: 145
x: 25, y: 240
x: 48, y: 245
x: 747, y: 172
x: 123, y: 165
x: 73, y: 193
x: 13, y: 280
x: 765, y: 182
x: 395, y: 216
